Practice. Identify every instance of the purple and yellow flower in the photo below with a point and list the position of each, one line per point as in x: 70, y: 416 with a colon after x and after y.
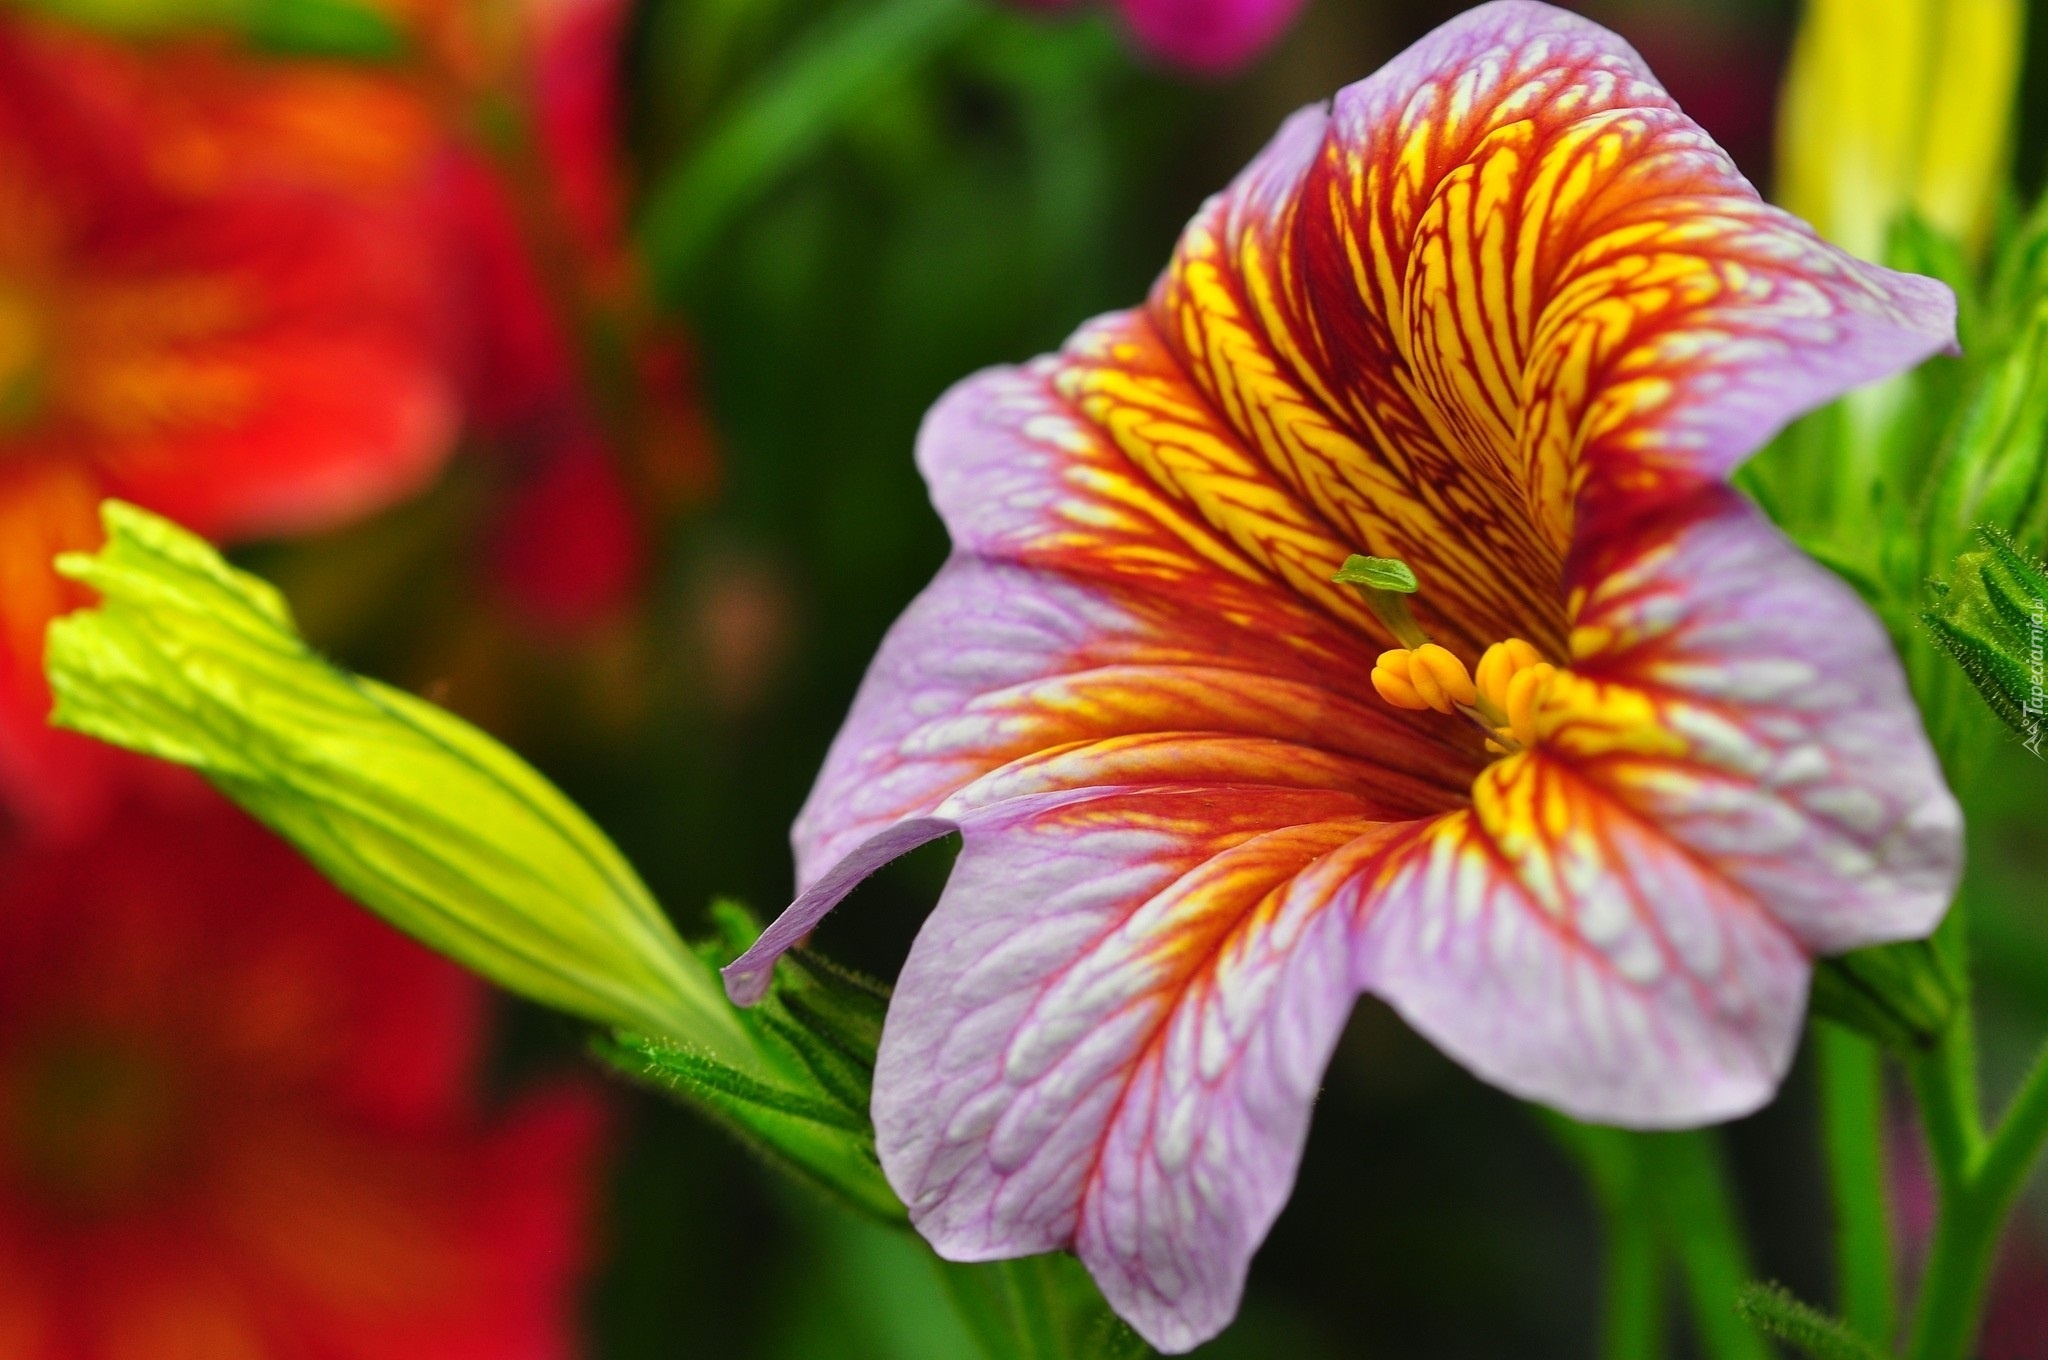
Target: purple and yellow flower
x: 1583, y: 807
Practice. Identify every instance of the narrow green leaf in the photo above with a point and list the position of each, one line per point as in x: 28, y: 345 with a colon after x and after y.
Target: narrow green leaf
x: 346, y: 29
x: 418, y: 815
x: 801, y: 1131
x: 784, y: 119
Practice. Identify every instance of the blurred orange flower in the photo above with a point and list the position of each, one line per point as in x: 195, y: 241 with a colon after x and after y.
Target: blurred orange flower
x: 221, y: 297
x: 237, y: 1120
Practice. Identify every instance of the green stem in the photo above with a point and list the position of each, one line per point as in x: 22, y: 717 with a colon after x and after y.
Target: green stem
x: 1945, y: 1083
x: 1632, y: 1278
x: 1852, y: 1128
x: 2010, y: 1154
x: 1977, y: 1193
x: 1697, y: 1208
x: 1632, y: 1281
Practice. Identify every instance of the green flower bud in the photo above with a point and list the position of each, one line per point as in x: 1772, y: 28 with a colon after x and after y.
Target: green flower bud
x: 418, y: 815
x: 1992, y: 617
x: 1892, y: 105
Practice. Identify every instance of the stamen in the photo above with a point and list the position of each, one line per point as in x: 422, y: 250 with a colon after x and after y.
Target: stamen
x: 1525, y: 693
x: 1512, y: 678
x: 1499, y: 665
x: 1426, y: 677
x: 1420, y: 675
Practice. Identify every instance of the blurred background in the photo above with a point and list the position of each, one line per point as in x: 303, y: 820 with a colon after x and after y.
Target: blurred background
x: 626, y: 313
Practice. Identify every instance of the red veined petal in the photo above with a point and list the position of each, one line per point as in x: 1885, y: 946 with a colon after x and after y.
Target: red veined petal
x: 1004, y: 684
x: 1567, y: 951
x: 1111, y: 1031
x: 1740, y: 698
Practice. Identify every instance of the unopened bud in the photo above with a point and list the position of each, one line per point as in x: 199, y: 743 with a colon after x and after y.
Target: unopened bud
x: 1992, y: 617
x: 422, y: 818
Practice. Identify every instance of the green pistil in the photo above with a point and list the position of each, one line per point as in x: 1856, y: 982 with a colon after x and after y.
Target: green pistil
x: 1385, y: 583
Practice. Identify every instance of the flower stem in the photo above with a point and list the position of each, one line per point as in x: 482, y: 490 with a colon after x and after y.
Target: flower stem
x: 1945, y: 1083
x: 1632, y: 1282
x: 1632, y: 1276
x: 1852, y: 1128
x: 1979, y: 1180
x: 1690, y: 1182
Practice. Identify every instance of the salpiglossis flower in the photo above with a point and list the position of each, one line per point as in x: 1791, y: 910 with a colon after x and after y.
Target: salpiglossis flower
x: 1500, y: 312
x: 219, y: 297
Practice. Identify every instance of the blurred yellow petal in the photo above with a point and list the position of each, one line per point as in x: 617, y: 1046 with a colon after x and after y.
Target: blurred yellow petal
x: 1891, y: 104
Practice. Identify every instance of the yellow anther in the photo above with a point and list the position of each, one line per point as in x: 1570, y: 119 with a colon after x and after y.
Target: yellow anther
x: 1390, y: 678
x: 1425, y: 677
x: 1524, y: 695
x: 1503, y: 660
x: 1440, y: 677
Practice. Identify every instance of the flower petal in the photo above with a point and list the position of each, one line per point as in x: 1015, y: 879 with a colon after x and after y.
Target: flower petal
x: 1110, y: 1033
x: 1730, y: 778
x: 1800, y: 769
x: 1569, y: 953
x: 1503, y: 273
x: 1208, y: 37
x: 1084, y: 606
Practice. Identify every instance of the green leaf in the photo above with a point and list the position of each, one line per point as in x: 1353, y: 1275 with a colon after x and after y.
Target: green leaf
x: 785, y: 118
x: 1772, y: 1310
x: 804, y: 1131
x: 424, y: 819
x: 1902, y: 995
x: 1039, y: 1308
x: 324, y: 28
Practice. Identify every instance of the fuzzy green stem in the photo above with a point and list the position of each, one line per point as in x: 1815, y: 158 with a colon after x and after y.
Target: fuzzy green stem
x: 1852, y: 1128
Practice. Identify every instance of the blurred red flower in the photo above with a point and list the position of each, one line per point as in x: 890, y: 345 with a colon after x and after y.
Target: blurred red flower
x: 221, y: 297
x: 586, y: 395
x: 237, y: 1120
